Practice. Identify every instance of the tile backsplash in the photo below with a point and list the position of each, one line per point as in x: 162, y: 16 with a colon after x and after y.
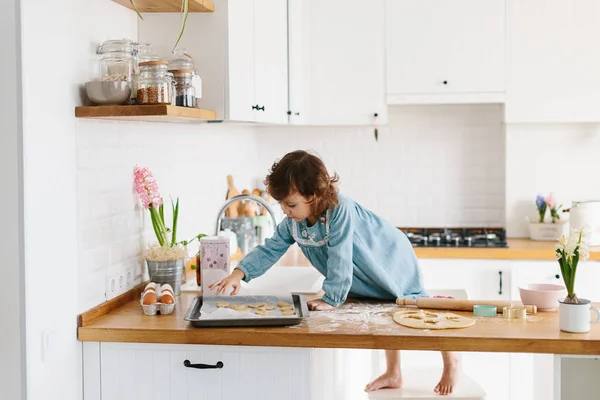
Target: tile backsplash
x: 188, y: 161
x: 432, y: 166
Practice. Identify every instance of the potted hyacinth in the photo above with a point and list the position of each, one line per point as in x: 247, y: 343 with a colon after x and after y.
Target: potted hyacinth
x: 544, y: 228
x: 574, y: 311
x: 166, y: 257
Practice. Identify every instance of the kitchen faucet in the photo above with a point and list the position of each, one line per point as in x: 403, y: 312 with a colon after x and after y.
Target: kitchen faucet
x: 257, y: 199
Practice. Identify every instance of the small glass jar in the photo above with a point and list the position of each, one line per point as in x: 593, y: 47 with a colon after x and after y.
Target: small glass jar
x: 154, y: 85
x: 182, y: 67
x: 118, y: 60
x: 185, y: 93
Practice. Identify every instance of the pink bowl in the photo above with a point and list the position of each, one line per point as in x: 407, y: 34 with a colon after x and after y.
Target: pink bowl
x: 543, y: 295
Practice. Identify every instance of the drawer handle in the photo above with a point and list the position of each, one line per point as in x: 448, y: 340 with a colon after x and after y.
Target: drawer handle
x: 188, y: 364
x: 500, y: 282
x: 557, y: 276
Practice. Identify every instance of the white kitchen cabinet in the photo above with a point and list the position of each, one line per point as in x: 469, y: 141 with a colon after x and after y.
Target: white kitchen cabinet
x: 157, y: 371
x: 445, y: 51
x: 240, y: 52
x: 337, y: 62
x: 482, y: 279
x: 553, y: 61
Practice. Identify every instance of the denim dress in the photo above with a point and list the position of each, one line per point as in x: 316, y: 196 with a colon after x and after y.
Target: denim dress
x: 356, y: 251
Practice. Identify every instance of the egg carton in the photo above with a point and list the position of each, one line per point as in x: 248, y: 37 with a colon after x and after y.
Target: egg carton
x: 153, y: 309
x: 158, y: 307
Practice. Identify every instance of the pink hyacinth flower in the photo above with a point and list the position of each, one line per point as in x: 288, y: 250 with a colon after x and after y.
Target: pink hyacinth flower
x: 146, y: 187
x: 551, y: 201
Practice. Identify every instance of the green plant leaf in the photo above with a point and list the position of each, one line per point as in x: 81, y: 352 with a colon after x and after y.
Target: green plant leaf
x: 156, y: 226
x: 175, y: 216
x: 136, y: 9
x: 161, y: 212
x: 185, y: 8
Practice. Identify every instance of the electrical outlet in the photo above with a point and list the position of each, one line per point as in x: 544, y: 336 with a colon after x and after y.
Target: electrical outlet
x: 129, y: 277
x: 112, y: 288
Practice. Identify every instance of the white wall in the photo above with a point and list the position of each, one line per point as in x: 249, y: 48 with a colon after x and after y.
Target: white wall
x: 434, y: 166
x: 58, y: 54
x: 559, y: 158
x: 12, y: 295
x: 188, y: 161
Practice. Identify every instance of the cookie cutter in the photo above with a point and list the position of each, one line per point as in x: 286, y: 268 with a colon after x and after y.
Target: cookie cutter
x: 514, y: 312
x: 484, y: 311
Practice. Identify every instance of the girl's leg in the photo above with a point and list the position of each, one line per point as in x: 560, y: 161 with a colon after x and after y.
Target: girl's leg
x: 450, y: 373
x: 392, y: 378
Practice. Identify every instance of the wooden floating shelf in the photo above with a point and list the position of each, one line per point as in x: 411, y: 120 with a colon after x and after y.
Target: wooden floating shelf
x: 168, y: 5
x: 150, y: 113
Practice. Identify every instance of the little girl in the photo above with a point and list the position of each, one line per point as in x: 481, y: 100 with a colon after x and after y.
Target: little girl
x: 358, y: 252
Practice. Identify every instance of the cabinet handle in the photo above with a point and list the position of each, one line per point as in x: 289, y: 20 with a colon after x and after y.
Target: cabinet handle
x: 500, y: 282
x: 255, y: 107
x: 557, y: 276
x: 188, y: 364
x: 260, y: 108
x: 296, y: 113
x: 445, y: 82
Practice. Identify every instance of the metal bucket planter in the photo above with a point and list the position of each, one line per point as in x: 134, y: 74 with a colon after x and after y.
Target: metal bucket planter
x: 170, y: 272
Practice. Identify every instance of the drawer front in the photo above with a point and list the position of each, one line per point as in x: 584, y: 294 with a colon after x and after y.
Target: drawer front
x: 147, y: 371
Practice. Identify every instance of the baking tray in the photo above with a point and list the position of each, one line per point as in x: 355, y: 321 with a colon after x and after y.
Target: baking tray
x: 203, y: 312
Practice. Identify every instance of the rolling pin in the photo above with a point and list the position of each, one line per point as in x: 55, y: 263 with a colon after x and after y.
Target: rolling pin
x: 459, y: 305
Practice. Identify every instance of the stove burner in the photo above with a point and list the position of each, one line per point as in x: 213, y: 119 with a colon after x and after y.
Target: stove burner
x: 456, y: 237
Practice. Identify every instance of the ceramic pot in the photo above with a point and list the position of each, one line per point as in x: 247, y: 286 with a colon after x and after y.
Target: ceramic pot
x: 576, y: 318
x: 548, y: 231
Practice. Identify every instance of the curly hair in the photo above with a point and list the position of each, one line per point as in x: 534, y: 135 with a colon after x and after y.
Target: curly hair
x: 306, y: 174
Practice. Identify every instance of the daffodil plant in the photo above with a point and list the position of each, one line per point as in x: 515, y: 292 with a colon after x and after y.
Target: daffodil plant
x: 569, y: 251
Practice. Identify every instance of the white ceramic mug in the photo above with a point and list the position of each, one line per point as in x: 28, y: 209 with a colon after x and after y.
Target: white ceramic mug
x: 575, y: 318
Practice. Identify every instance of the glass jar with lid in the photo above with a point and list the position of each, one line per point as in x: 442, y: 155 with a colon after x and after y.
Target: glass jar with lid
x: 143, y: 54
x: 118, y: 60
x: 182, y: 67
x: 154, y: 85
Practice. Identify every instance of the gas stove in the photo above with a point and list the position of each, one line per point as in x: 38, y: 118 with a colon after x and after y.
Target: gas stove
x: 456, y: 237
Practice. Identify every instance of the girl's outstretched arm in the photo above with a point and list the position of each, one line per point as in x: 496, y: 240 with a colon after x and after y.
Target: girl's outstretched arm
x: 263, y: 257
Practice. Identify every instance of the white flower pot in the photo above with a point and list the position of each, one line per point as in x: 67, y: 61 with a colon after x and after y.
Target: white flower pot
x: 548, y: 231
x: 576, y: 318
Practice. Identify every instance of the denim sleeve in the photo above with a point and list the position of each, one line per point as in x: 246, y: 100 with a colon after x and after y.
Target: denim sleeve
x: 262, y: 258
x: 338, y: 281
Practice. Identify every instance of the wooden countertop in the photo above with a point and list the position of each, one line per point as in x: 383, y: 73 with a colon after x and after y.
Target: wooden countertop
x: 518, y: 249
x: 354, y: 325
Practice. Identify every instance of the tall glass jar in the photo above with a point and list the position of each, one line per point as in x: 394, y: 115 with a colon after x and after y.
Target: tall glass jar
x: 118, y: 60
x: 154, y: 85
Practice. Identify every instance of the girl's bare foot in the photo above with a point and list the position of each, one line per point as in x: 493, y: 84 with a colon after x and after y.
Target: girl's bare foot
x: 391, y: 380
x: 449, y: 375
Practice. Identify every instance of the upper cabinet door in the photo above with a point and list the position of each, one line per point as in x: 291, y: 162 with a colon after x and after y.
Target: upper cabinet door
x: 453, y: 48
x: 270, y: 60
x: 554, y: 62
x: 338, y: 55
x: 241, y: 55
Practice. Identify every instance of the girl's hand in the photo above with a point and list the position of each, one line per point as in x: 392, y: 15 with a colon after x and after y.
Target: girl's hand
x: 319, y: 305
x: 232, y: 281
